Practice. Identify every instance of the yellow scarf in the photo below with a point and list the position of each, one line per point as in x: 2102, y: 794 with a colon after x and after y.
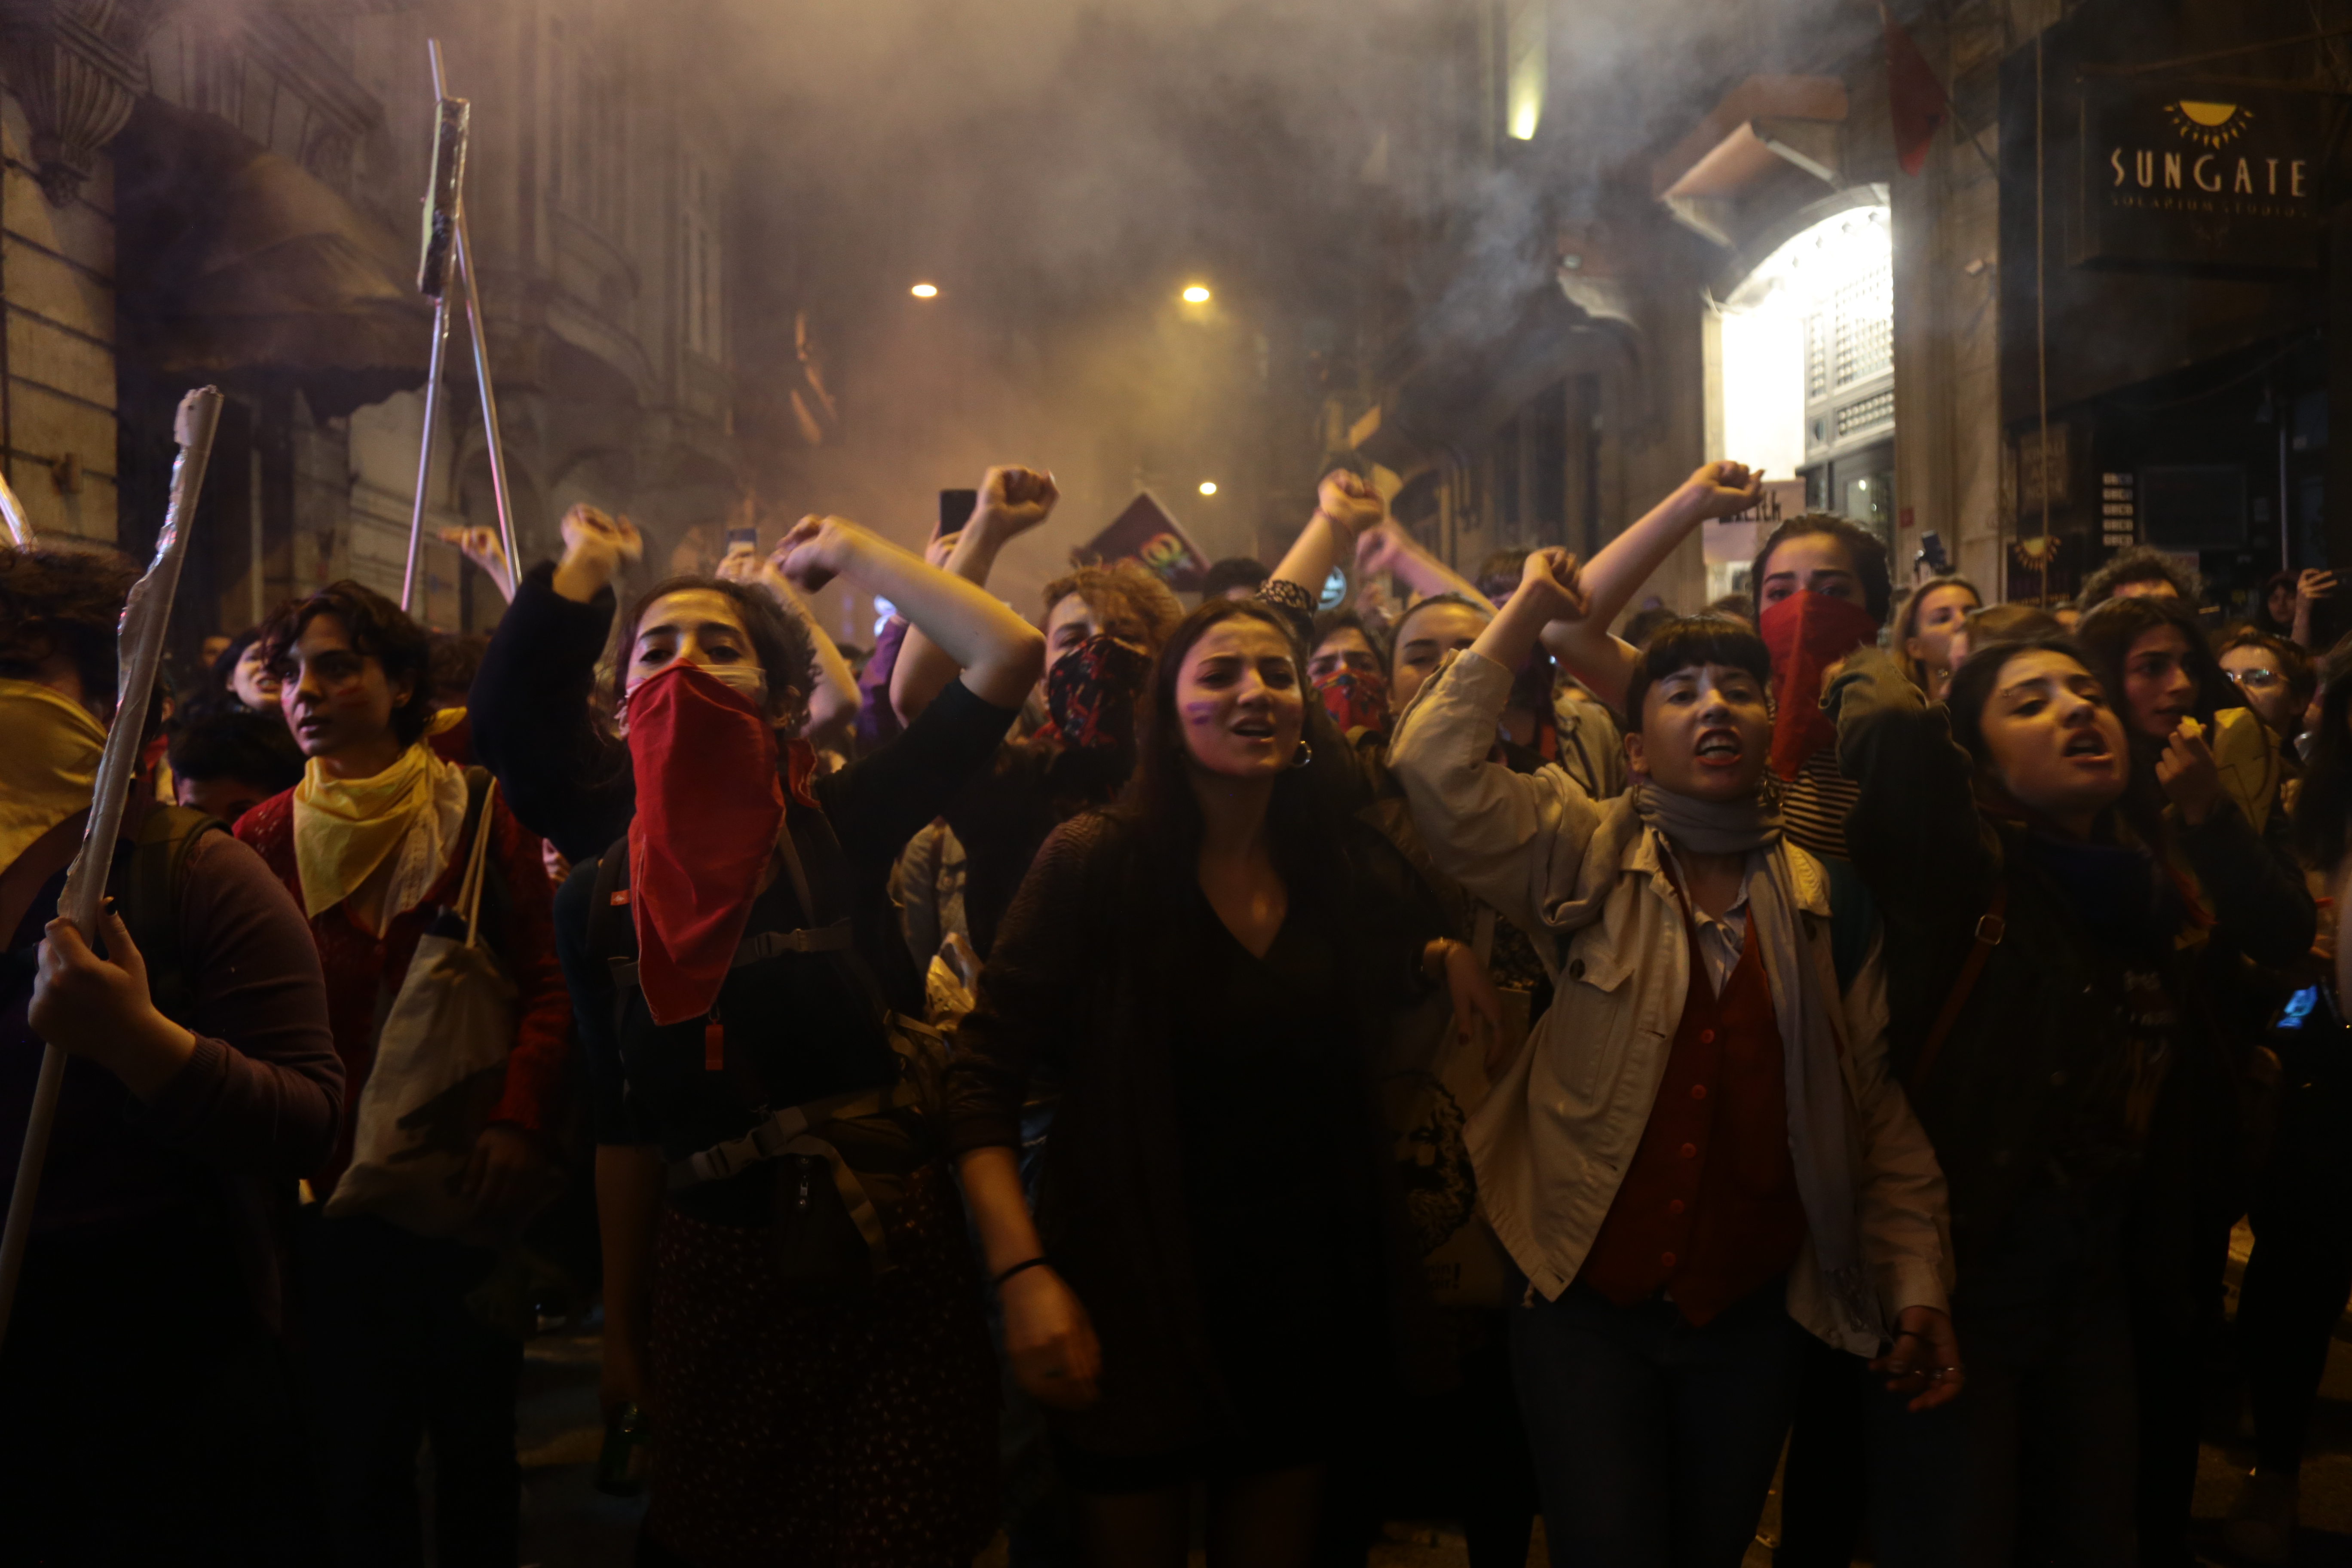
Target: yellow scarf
x: 344, y: 829
x: 49, y: 748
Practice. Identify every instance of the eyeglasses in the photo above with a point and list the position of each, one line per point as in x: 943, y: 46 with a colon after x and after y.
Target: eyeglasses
x: 2253, y: 677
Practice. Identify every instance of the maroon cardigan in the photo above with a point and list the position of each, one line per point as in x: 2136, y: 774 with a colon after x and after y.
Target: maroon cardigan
x: 363, y: 970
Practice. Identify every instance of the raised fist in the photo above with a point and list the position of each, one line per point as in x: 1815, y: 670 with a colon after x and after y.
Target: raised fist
x: 818, y: 550
x: 1725, y: 489
x: 1014, y: 500
x: 1351, y: 502
x: 1549, y: 580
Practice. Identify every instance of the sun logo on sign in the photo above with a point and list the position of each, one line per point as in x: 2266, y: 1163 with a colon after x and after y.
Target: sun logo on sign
x: 2208, y: 124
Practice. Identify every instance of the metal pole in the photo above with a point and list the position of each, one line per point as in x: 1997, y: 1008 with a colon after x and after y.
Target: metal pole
x: 489, y: 402
x: 146, y: 615
x: 425, y: 448
x: 481, y: 359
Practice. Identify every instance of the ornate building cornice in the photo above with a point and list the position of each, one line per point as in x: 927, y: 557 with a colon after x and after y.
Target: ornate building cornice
x: 75, y: 65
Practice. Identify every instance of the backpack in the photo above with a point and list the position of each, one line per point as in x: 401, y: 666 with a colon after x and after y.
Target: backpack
x: 843, y: 1164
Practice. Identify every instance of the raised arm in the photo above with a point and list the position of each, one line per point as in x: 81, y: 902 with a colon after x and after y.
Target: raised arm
x: 1517, y: 841
x: 1389, y: 548
x: 532, y: 727
x: 1013, y: 501
x: 833, y: 697
x: 1000, y: 655
x: 1611, y: 578
x: 1345, y: 507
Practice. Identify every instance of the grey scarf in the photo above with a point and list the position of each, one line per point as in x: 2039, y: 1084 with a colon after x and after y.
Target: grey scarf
x: 1809, y: 1013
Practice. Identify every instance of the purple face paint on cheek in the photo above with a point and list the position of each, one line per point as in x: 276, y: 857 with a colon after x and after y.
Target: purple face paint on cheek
x: 1200, y: 712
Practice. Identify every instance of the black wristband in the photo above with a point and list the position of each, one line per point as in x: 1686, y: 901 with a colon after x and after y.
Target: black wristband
x: 1037, y: 1262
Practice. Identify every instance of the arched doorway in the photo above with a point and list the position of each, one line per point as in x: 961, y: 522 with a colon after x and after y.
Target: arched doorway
x: 1805, y: 378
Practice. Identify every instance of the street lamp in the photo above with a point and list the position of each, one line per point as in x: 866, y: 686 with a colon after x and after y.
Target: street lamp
x: 1208, y: 487
x: 924, y: 291
x: 1196, y: 294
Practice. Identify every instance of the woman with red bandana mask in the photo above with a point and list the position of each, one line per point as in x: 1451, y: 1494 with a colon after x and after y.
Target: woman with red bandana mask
x: 734, y: 955
x: 1214, y: 1281
x: 1349, y: 670
x: 1822, y: 591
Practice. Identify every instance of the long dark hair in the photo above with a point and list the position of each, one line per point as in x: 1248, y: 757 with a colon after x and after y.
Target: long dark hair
x: 1165, y: 814
x: 2107, y: 632
x: 2324, y: 811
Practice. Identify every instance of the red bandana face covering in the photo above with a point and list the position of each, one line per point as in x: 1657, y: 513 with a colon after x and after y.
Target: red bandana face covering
x: 1806, y: 633
x: 1355, y: 699
x: 710, y: 801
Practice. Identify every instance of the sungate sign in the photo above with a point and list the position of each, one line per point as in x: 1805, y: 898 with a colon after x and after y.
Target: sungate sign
x: 2183, y: 178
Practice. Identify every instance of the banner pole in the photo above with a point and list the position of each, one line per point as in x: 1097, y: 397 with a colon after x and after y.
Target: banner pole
x: 146, y: 615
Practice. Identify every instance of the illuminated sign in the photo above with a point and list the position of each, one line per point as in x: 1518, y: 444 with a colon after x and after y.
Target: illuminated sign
x: 2198, y: 179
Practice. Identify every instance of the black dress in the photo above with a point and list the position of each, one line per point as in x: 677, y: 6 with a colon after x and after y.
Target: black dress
x: 1218, y: 1189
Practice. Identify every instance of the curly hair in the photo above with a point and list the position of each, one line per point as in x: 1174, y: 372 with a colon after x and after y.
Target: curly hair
x: 785, y: 654
x: 2139, y: 563
x: 1868, y: 551
x: 379, y: 629
x: 1132, y: 604
x: 66, y: 602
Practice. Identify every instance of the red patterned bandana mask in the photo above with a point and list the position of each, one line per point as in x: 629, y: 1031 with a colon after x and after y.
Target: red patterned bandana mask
x: 709, y: 803
x: 1806, y: 633
x: 1355, y: 699
x: 1091, y: 692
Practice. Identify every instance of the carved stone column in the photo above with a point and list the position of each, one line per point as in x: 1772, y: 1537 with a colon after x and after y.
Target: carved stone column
x: 75, y: 66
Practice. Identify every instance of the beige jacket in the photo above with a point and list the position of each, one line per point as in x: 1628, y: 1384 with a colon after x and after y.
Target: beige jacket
x: 1555, y: 1135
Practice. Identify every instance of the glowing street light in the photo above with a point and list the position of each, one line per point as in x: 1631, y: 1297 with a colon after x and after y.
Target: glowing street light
x: 1208, y: 487
x: 1196, y: 294
x: 924, y: 291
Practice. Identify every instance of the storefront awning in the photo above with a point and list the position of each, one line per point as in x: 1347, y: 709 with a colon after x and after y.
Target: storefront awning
x: 239, y: 266
x: 1763, y: 127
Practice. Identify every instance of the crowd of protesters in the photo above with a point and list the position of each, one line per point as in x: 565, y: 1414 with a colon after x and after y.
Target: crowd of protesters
x: 1148, y: 1076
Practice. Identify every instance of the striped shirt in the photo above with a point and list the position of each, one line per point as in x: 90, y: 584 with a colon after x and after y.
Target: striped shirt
x: 1814, y: 803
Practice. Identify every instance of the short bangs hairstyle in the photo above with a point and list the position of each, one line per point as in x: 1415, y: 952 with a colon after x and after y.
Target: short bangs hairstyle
x: 1132, y: 604
x: 379, y: 629
x: 1978, y: 677
x: 1869, y: 557
x: 1692, y: 643
x: 778, y: 642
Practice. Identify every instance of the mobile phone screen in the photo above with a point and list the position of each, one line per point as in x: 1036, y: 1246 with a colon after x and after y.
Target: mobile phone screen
x: 956, y: 508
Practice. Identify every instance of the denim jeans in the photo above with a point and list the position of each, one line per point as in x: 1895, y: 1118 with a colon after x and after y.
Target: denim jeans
x: 392, y: 1356
x: 1655, y: 1441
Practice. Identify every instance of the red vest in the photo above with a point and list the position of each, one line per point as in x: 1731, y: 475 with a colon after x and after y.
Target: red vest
x: 1709, y: 1210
